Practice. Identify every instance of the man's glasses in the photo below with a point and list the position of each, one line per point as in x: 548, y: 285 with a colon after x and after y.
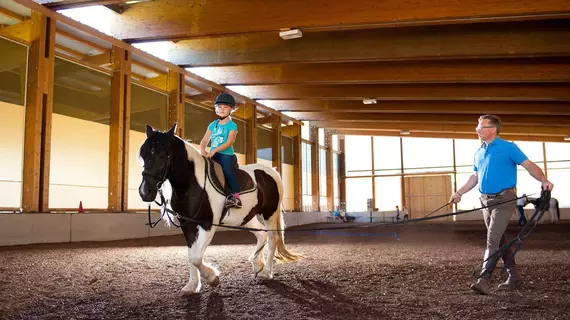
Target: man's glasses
x: 483, y: 127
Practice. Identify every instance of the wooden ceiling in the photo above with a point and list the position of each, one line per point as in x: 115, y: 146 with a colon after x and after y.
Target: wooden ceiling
x: 433, y: 67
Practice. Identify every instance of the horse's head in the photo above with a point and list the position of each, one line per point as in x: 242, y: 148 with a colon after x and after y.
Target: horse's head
x: 156, y: 152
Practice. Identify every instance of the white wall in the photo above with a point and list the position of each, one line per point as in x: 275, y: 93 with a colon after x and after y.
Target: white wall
x: 11, y: 154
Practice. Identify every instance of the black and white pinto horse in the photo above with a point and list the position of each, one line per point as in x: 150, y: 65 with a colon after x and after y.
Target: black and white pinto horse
x: 200, y: 203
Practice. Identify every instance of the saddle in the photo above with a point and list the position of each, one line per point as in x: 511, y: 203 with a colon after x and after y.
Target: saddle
x: 216, y: 176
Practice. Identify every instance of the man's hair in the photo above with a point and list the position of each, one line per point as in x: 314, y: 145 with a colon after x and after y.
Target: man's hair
x: 495, y: 121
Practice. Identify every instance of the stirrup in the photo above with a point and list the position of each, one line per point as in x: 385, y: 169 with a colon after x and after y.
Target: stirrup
x: 232, y: 202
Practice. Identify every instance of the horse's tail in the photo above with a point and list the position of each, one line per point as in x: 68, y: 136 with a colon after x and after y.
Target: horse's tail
x: 276, y: 222
x: 281, y: 253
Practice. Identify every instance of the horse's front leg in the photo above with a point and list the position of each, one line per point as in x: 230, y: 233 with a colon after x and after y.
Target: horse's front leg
x: 194, y: 284
x: 196, y: 254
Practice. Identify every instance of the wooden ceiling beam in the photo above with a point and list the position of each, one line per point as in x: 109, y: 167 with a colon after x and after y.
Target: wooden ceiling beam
x: 88, y: 43
x: 511, y: 137
x: 12, y: 15
x: 202, y: 97
x: 513, y: 39
x: 20, y: 31
x: 410, y: 92
x: 158, y: 20
x: 430, y: 118
x: 101, y: 59
x: 443, y: 127
x: 76, y: 53
x: 69, y: 4
x: 444, y: 107
x: 441, y: 71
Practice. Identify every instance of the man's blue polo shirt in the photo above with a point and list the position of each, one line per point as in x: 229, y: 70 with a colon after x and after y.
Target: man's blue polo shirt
x: 496, y: 165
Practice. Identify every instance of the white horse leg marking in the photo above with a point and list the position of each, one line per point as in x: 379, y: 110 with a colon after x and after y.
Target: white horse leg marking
x: 273, y: 238
x: 197, y: 250
x: 257, y: 257
x: 194, y: 284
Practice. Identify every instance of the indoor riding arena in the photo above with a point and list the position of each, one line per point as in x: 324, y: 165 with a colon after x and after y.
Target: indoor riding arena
x: 216, y: 159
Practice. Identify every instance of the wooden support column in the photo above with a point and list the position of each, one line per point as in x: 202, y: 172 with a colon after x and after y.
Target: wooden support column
x: 373, y: 178
x: 248, y: 112
x: 276, y: 143
x: 342, y: 172
x: 402, y: 178
x: 175, y: 88
x: 297, y: 168
x: 314, y: 138
x: 454, y: 175
x: 329, y: 166
x: 39, y: 103
x: 544, y: 158
x: 119, y: 129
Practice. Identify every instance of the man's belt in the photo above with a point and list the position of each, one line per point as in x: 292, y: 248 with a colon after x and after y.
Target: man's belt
x: 500, y: 193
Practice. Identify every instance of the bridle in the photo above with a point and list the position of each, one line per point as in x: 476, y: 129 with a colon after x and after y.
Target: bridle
x: 160, y: 180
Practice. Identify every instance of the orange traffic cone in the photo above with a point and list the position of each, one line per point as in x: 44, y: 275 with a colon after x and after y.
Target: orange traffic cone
x: 80, y: 210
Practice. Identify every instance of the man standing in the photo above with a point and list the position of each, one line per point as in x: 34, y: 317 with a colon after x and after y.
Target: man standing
x: 520, y: 206
x: 495, y: 170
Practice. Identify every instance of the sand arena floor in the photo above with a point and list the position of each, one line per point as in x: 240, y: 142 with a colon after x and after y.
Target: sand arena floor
x: 344, y: 275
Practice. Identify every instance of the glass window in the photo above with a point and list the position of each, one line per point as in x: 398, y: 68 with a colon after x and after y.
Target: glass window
x: 533, y: 150
x: 358, y: 156
x: 358, y: 190
x: 306, y: 176
x: 427, y: 154
x: 388, y: 192
x: 13, y: 63
x: 306, y: 131
x: 557, y: 151
x: 287, y: 150
x: 469, y: 200
x: 321, y: 137
x: 465, y: 153
x: 336, y: 180
x: 387, y: 155
x: 147, y: 107
x: 239, y: 143
x: 196, y: 121
x: 323, y: 173
x: 561, y: 180
x: 79, y: 164
x: 264, y: 143
x: 335, y: 145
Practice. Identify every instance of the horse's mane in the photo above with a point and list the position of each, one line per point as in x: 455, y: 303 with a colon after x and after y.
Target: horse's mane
x: 193, y: 153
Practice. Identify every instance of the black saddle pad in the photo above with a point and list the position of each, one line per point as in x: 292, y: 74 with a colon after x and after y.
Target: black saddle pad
x: 215, y: 174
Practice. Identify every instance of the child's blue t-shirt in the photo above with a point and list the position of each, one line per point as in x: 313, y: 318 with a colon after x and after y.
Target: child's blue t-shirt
x: 220, y: 133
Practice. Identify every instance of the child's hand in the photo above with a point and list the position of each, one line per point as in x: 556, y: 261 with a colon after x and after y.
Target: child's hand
x: 212, y: 153
x: 203, y: 152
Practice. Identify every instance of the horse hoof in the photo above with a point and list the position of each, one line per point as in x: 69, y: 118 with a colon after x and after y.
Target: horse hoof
x: 215, y: 282
x: 264, y: 276
x: 186, y: 293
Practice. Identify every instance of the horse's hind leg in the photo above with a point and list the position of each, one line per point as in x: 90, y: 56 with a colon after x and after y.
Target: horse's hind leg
x: 272, y: 237
x: 196, y: 253
x: 257, y: 257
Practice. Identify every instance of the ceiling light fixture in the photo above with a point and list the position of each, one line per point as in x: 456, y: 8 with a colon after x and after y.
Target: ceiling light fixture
x: 369, y: 101
x: 404, y: 132
x: 291, y: 34
x: 567, y: 138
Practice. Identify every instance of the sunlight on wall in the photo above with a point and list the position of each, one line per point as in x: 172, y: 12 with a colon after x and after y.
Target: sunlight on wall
x: 12, y: 153
x: 79, y: 164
